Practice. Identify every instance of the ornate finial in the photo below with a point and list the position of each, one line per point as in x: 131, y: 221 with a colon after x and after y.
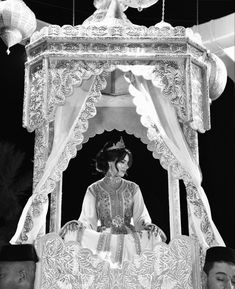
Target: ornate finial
x: 119, y: 145
x: 139, y: 4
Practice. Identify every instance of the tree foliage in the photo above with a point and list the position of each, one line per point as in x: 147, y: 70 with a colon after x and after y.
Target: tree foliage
x: 15, y: 187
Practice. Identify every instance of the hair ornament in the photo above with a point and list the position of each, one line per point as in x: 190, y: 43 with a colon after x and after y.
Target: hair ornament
x: 119, y: 145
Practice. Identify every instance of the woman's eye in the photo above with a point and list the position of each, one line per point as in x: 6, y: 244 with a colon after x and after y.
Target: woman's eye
x: 220, y: 279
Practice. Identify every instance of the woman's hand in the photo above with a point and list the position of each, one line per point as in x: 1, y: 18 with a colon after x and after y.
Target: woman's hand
x: 153, y: 229
x: 100, y: 229
x: 71, y: 226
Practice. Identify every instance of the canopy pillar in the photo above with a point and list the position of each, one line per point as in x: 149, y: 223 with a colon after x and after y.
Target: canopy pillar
x: 174, y: 205
x: 56, y: 208
x: 191, y: 137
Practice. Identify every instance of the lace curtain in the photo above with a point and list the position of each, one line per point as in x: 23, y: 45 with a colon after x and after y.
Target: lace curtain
x: 159, y: 116
x: 67, y: 119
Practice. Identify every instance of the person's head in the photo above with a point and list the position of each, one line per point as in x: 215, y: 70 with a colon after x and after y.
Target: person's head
x: 17, y: 266
x: 114, y: 158
x: 219, y: 268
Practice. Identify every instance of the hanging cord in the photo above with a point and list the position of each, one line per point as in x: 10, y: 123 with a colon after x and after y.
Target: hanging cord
x: 163, y: 10
x: 73, y: 12
x: 197, y: 15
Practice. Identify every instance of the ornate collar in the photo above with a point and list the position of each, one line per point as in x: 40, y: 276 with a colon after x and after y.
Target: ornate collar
x: 113, y: 181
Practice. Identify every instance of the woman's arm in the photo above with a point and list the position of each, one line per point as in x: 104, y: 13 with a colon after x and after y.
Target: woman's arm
x: 87, y: 219
x: 142, y: 220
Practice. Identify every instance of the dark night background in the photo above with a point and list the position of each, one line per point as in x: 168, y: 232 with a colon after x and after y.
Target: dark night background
x: 216, y: 146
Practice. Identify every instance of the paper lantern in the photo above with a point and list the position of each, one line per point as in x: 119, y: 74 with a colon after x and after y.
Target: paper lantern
x: 17, y: 22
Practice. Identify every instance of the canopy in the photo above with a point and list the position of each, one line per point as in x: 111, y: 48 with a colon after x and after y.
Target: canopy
x: 169, y: 78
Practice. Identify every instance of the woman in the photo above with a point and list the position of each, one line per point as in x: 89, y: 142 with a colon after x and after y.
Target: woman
x: 114, y: 222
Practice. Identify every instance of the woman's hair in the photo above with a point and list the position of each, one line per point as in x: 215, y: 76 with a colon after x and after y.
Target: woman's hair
x: 110, y: 153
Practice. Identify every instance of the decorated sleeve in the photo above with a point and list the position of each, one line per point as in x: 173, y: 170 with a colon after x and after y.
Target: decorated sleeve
x: 88, y: 215
x: 140, y: 213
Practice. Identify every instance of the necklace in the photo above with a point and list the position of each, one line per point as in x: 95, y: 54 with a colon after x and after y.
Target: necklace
x: 112, y: 180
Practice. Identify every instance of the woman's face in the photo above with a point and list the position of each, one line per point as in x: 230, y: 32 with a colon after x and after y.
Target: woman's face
x: 119, y: 169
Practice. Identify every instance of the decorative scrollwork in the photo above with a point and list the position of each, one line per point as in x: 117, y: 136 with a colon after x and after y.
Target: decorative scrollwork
x: 34, y: 105
x: 170, y: 76
x: 200, y: 213
x: 191, y: 136
x: 67, y: 264
x: 197, y: 99
x: 28, y: 226
x: 123, y: 29
x: 37, y: 206
x: 40, y: 153
x: 64, y: 75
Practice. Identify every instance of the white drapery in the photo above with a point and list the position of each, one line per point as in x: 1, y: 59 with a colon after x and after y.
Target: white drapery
x: 67, y: 120
x: 157, y: 114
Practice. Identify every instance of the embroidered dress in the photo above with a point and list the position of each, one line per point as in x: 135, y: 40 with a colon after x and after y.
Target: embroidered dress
x: 112, y: 221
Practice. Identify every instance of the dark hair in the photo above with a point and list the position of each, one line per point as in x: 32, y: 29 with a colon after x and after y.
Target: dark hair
x: 107, y: 154
x: 207, y: 267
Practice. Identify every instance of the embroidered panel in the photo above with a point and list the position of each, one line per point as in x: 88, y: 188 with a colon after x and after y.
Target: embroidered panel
x: 111, y: 215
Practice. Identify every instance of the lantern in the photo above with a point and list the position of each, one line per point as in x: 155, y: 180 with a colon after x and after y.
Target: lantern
x: 17, y: 22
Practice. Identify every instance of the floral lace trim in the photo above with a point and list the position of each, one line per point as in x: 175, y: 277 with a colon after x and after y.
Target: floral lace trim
x: 39, y: 204
x: 200, y: 213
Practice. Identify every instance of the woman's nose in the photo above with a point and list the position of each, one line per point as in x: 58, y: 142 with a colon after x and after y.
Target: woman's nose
x: 126, y: 166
